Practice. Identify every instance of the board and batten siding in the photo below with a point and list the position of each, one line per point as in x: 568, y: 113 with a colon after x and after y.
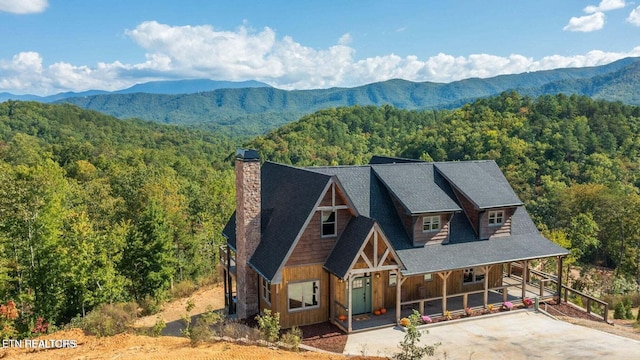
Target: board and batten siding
x: 305, y: 316
x: 421, y: 237
x: 488, y: 231
x: 433, y: 288
x: 312, y: 248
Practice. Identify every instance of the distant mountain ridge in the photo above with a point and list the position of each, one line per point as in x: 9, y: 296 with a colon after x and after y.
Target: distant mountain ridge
x: 255, y: 110
x: 170, y: 87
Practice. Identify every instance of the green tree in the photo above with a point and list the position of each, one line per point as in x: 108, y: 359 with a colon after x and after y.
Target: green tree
x: 148, y: 260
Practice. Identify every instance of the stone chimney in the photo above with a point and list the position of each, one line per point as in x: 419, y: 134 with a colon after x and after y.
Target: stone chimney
x: 247, y: 168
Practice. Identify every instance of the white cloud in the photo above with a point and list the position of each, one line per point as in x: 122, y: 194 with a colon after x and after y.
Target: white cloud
x: 23, y: 6
x: 345, y: 39
x: 178, y: 52
x: 605, y: 5
x: 634, y: 17
x: 586, y: 23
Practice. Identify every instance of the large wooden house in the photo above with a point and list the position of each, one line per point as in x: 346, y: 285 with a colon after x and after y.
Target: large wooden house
x: 342, y: 243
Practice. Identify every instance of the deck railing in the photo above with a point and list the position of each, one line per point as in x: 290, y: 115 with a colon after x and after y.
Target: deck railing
x: 590, y: 300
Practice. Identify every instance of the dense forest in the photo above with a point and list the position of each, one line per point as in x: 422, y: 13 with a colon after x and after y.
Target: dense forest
x: 94, y: 209
x: 573, y: 160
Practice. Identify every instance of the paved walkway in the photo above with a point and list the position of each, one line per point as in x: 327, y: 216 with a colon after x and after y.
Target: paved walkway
x: 522, y: 334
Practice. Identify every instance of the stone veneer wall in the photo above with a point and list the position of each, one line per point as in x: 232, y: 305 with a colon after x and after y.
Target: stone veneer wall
x: 247, y: 235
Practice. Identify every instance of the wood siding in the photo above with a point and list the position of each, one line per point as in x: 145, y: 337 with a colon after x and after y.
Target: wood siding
x: 312, y: 248
x: 302, y: 317
x: 433, y: 288
x: 421, y: 237
x: 488, y: 231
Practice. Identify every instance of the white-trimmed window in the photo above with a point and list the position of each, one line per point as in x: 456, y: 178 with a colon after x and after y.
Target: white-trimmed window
x: 427, y: 277
x: 430, y: 223
x: 303, y: 295
x: 265, y: 290
x: 496, y: 217
x: 473, y: 275
x: 329, y: 227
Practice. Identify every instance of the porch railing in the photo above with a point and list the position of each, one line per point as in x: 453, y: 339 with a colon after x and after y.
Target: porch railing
x: 590, y: 300
x: 465, y: 297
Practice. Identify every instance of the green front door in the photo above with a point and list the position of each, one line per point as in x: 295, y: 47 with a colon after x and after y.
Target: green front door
x: 361, y: 302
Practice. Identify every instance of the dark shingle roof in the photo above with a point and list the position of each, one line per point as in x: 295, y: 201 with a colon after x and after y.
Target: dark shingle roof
x: 289, y: 196
x: 481, y: 182
x: 464, y: 250
x: 355, y: 180
x: 417, y: 187
x: 348, y: 245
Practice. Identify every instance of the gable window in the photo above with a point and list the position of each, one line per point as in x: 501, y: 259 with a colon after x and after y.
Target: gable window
x: 303, y: 295
x: 329, y: 227
x: 430, y: 223
x: 496, y: 217
x: 473, y: 275
x: 265, y: 290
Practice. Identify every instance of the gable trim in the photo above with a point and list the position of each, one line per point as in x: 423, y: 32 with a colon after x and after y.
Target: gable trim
x: 376, y: 265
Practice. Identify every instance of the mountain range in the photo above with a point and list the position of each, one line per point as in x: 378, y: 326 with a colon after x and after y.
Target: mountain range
x: 250, y: 108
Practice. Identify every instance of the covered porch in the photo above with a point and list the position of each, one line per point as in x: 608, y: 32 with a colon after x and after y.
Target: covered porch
x: 514, y: 282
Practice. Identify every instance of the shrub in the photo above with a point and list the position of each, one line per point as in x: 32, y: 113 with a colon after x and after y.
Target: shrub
x: 293, y: 338
x: 447, y: 315
x: 156, y: 329
x: 507, y: 305
x: 269, y: 325
x: 150, y: 306
x: 619, y: 311
x: 468, y: 311
x: 426, y: 319
x: 527, y: 302
x: 110, y: 319
x: 183, y: 289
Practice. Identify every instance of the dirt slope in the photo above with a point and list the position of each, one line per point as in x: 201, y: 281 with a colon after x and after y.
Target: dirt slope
x: 171, y: 346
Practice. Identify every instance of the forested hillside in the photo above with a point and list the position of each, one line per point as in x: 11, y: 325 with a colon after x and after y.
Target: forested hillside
x: 94, y: 209
x: 253, y: 111
x: 573, y: 160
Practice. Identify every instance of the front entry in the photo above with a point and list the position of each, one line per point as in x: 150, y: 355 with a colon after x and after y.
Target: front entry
x: 361, y: 302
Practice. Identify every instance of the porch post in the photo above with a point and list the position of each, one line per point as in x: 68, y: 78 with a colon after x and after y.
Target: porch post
x: 349, y: 303
x: 444, y: 276
x: 559, y: 300
x: 486, y: 284
x: 525, y: 270
x: 230, y: 283
x: 399, y: 281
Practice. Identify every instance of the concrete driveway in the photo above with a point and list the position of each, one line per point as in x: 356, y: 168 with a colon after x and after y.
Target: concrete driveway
x: 517, y: 335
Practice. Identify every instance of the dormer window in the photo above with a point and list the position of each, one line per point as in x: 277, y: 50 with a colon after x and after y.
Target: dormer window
x: 329, y: 227
x: 430, y: 223
x: 496, y: 217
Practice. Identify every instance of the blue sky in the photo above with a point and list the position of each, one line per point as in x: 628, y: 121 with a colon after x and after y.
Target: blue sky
x: 51, y: 46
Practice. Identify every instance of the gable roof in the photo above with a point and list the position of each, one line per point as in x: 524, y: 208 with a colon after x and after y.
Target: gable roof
x: 289, y: 197
x: 418, y: 187
x: 348, y: 246
x: 482, y: 182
